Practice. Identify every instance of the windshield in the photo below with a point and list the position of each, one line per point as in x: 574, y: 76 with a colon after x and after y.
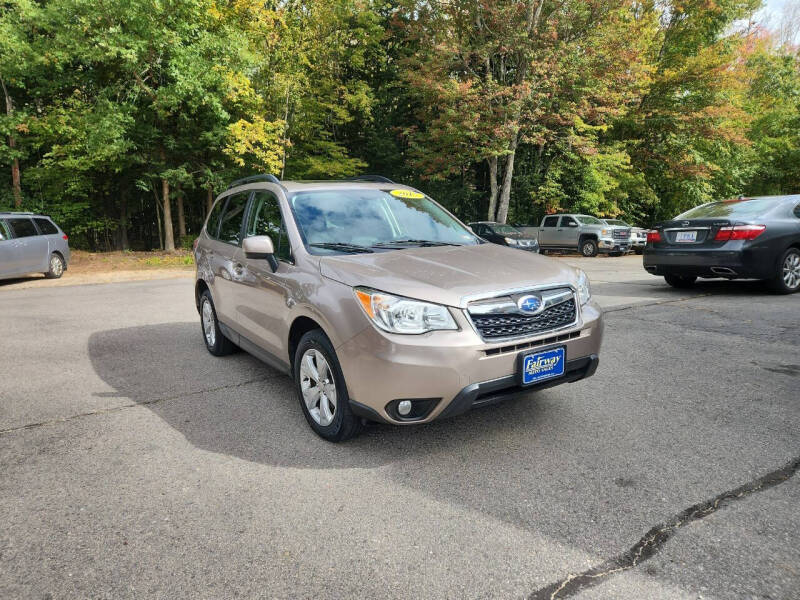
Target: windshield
x: 504, y: 229
x: 589, y: 220
x: 730, y: 208
x: 349, y: 220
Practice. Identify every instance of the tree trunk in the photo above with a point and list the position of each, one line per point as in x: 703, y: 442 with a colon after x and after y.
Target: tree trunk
x: 508, y: 173
x: 181, y: 215
x: 492, y: 188
x: 123, y: 221
x: 209, y: 200
x: 16, y: 185
x: 169, y: 235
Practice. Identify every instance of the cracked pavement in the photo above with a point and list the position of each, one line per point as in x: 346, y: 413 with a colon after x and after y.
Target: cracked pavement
x: 134, y: 464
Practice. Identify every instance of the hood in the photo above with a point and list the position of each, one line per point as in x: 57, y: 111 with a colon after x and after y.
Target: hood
x: 447, y: 274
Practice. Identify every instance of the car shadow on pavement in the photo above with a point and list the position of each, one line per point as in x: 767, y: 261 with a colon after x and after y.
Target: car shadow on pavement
x: 240, y: 407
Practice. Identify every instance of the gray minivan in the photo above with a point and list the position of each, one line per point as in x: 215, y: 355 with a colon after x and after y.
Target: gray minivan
x: 31, y: 243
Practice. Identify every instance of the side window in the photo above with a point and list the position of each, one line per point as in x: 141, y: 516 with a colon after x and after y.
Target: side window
x: 23, y: 228
x: 4, y: 234
x: 212, y: 225
x: 479, y: 229
x: 568, y: 222
x: 46, y: 227
x: 265, y: 219
x: 550, y: 221
x: 797, y: 211
x: 230, y: 226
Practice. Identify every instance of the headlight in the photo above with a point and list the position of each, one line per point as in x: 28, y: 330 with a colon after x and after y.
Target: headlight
x: 511, y: 241
x: 604, y: 232
x: 396, y: 314
x: 584, y: 291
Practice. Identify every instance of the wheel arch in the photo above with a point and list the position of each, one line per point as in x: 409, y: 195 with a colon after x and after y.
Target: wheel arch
x: 587, y: 236
x: 301, y: 325
x: 199, y: 287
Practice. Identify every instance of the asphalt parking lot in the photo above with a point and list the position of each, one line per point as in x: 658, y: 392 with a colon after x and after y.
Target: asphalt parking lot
x: 134, y: 464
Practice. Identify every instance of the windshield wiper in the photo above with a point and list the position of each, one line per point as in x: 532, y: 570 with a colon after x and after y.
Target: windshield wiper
x: 407, y: 242
x: 342, y: 246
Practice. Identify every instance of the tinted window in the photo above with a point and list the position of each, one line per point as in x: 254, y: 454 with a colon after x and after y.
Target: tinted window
x: 4, y: 234
x: 230, y: 226
x: 22, y: 227
x: 742, y: 209
x: 46, y: 227
x: 265, y: 219
x: 550, y: 221
x: 567, y: 221
x: 212, y: 226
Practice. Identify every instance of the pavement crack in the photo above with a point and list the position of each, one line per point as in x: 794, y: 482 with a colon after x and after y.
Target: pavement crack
x: 655, y: 539
x: 655, y: 303
x: 103, y: 411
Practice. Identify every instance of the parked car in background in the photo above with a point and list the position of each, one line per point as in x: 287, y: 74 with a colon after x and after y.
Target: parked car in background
x: 589, y: 235
x: 505, y: 235
x: 31, y: 243
x: 638, y: 234
x: 752, y: 238
x: 382, y: 306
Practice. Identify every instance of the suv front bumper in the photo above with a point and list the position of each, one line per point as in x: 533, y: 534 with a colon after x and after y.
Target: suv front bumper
x: 451, y: 372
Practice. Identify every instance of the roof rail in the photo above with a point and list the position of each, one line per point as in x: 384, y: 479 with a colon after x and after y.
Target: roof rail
x: 16, y: 212
x: 254, y: 179
x: 372, y: 178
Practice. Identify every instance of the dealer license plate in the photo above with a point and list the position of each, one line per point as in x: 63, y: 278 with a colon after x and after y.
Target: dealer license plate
x: 540, y: 366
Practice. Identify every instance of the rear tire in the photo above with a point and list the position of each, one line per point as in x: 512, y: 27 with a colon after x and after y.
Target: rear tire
x: 681, y: 282
x: 639, y: 250
x: 589, y: 248
x: 787, y: 277
x: 321, y: 389
x: 216, y: 342
x: 56, y: 266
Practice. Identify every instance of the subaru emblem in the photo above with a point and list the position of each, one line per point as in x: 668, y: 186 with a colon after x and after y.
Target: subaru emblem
x: 529, y: 304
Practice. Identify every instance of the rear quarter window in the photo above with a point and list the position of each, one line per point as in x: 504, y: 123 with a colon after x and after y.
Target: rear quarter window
x: 46, y: 227
x: 797, y: 211
x: 23, y: 228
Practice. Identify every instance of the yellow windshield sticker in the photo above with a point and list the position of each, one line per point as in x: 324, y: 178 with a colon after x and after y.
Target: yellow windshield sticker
x: 406, y: 194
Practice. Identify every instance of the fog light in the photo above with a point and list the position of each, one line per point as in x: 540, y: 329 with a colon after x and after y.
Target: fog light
x: 404, y: 407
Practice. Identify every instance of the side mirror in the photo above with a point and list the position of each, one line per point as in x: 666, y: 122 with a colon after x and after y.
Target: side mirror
x: 260, y: 247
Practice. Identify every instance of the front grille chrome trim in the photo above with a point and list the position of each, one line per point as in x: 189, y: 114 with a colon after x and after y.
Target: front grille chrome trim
x: 503, y: 302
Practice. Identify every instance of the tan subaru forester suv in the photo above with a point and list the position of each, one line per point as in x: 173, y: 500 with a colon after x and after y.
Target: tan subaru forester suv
x: 382, y: 306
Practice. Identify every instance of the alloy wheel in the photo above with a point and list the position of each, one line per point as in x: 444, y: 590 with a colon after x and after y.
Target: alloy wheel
x: 208, y: 323
x: 56, y: 266
x: 791, y: 271
x: 318, y: 387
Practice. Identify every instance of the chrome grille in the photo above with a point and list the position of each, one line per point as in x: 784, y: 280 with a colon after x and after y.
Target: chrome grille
x: 621, y: 234
x: 492, y: 326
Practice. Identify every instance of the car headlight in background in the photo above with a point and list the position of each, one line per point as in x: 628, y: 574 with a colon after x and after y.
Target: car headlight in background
x: 397, y: 314
x: 584, y: 291
x: 511, y: 241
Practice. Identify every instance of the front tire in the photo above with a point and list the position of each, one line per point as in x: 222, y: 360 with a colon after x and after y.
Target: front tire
x: 216, y: 342
x: 56, y: 269
x: 589, y: 248
x: 787, y: 278
x: 321, y: 389
x: 680, y: 282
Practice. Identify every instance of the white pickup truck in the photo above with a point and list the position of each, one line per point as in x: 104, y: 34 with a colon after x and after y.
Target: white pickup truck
x: 584, y: 233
